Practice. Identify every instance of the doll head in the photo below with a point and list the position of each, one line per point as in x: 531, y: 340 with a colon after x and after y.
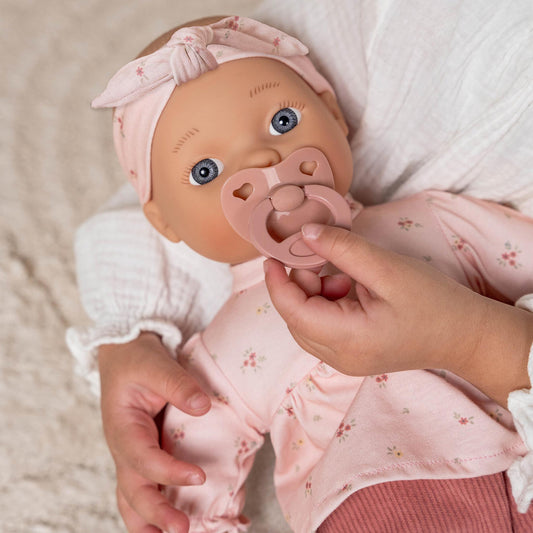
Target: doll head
x: 217, y: 119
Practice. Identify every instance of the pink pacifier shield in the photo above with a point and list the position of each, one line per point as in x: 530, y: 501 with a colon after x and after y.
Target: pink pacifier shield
x: 268, y: 206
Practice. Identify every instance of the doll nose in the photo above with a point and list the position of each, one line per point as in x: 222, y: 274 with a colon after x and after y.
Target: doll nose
x: 261, y: 158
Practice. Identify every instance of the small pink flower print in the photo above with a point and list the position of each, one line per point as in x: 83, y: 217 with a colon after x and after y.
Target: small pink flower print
x: 244, y: 447
x: 289, y: 410
x: 510, y: 256
x: 308, y: 487
x: 289, y: 389
x: 188, y: 39
x: 459, y: 244
x: 382, y: 380
x: 310, y: 384
x: 286, y: 410
x: 120, y: 123
x: 141, y: 74
x: 463, y: 420
x: 133, y: 175
x: 405, y: 223
x: 234, y: 24
x: 251, y: 361
x: 178, y: 433
x: 344, y: 428
x: 394, y: 451
x: 346, y: 487
x: 296, y: 445
x: 276, y: 41
x: 263, y: 309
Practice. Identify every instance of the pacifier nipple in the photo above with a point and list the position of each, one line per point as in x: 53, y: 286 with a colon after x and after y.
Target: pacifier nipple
x: 287, y: 198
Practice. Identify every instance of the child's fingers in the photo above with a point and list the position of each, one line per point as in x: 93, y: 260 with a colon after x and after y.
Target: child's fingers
x: 362, y: 261
x: 288, y: 297
x: 173, y: 383
x: 133, y: 521
x: 307, y: 280
x: 144, y: 506
x: 136, y: 444
x: 336, y: 286
x: 307, y: 317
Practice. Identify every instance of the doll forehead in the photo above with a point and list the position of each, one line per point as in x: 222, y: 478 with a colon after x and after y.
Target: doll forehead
x: 236, y: 82
x: 222, y: 96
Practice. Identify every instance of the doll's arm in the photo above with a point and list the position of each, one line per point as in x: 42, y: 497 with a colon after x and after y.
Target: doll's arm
x: 132, y: 280
x: 493, y: 244
x: 223, y: 442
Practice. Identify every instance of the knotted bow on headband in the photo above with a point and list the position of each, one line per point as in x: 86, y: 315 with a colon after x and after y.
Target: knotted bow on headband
x: 141, y: 89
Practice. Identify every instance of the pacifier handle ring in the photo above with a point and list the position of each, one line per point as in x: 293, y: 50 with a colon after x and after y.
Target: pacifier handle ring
x: 269, y: 247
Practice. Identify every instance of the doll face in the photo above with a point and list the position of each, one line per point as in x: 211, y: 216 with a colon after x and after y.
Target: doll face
x: 247, y: 113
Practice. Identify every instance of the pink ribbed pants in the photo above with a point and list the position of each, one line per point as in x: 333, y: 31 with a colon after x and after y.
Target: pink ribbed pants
x: 479, y: 505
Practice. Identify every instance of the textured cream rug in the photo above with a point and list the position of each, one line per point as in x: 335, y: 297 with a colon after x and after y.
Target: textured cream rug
x: 58, y: 167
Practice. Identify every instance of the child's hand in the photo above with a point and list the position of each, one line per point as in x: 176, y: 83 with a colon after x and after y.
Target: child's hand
x: 138, y: 380
x: 406, y: 315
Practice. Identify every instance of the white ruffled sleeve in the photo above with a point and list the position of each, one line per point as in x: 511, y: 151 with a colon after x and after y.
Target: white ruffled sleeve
x: 520, y: 404
x: 131, y: 279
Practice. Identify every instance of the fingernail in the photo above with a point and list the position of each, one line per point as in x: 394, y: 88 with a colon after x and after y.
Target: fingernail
x: 266, y: 266
x: 312, y: 231
x: 198, y: 401
x: 195, y: 479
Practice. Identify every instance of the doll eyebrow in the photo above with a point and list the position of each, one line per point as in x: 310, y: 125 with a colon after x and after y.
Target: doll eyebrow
x: 267, y: 85
x: 183, y: 139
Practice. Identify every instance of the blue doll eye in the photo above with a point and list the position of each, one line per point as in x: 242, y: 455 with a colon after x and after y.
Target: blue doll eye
x: 284, y: 120
x: 205, y: 171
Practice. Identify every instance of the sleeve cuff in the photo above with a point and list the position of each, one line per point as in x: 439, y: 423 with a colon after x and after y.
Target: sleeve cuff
x: 83, y: 343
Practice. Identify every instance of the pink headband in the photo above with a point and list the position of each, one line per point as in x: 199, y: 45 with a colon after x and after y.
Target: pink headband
x: 140, y: 90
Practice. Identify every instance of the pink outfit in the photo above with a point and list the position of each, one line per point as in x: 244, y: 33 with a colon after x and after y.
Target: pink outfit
x: 335, y: 434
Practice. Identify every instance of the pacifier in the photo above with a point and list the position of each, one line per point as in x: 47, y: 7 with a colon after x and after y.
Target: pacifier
x: 268, y: 206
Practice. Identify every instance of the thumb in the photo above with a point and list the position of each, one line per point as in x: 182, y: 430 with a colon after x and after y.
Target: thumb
x: 179, y: 388
x: 364, y: 262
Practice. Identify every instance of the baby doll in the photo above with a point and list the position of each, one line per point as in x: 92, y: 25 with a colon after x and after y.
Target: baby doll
x: 235, y: 112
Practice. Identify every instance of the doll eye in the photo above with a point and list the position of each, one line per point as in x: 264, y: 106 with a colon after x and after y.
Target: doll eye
x: 205, y: 171
x: 284, y: 120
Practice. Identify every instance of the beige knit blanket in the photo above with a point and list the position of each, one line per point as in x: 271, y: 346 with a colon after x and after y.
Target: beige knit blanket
x: 57, y: 167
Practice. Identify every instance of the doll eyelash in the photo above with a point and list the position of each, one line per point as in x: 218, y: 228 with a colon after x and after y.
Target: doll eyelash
x: 292, y: 103
x: 185, y: 176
